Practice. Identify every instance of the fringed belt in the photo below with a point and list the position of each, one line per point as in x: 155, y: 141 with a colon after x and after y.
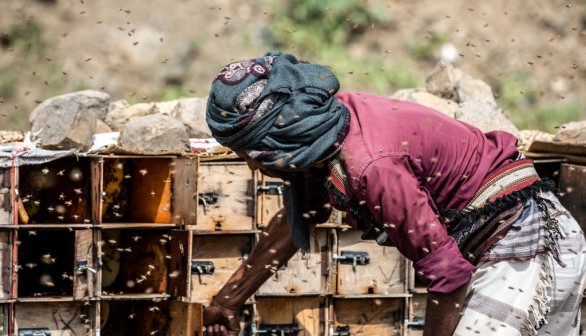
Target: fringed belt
x: 505, y: 180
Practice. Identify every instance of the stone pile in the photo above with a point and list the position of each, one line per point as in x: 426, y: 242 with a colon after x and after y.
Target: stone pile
x: 70, y: 120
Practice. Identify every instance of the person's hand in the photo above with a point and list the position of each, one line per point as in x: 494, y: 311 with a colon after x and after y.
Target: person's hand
x: 221, y: 321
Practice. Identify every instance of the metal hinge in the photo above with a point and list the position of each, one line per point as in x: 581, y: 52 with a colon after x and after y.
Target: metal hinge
x: 207, y: 198
x: 418, y: 323
x: 202, y: 267
x: 291, y: 329
x: 270, y: 188
x: 352, y: 257
x: 83, y: 267
x: 340, y: 331
x: 34, y: 332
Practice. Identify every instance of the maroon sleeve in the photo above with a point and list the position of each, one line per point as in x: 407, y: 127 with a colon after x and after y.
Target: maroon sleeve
x: 396, y: 199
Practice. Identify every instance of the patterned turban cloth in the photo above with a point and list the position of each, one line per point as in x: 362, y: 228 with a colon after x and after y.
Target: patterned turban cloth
x: 283, y: 114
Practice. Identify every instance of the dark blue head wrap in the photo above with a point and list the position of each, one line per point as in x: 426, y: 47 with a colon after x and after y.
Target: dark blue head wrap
x: 283, y: 114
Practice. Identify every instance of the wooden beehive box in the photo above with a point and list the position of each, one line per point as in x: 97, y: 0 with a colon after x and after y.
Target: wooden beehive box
x: 363, y: 267
x: 52, y: 318
x: 368, y: 316
x: 302, y: 314
x: 143, y: 263
x: 147, y: 317
x: 213, y: 260
x: 225, y: 192
x: 134, y: 189
x: 269, y: 200
x: 305, y: 273
x: 57, y: 192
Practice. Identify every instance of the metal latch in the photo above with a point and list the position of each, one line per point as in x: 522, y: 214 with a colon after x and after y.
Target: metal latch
x: 340, y: 331
x: 291, y: 329
x: 270, y: 188
x: 83, y: 267
x: 202, y: 267
x: 34, y: 332
x: 352, y: 257
x: 418, y: 323
x: 207, y: 198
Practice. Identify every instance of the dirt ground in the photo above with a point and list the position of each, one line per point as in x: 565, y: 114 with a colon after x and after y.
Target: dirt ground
x: 142, y: 50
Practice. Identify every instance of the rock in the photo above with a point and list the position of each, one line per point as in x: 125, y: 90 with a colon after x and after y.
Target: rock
x: 573, y: 132
x: 120, y: 112
x: 154, y: 132
x: 64, y: 122
x: 102, y: 127
x: 450, y: 83
x: 486, y: 117
x: 192, y: 113
x: 442, y: 81
x: 424, y: 98
x: 95, y: 102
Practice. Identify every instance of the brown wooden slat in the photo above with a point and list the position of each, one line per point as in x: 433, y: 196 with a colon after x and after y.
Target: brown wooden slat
x: 185, y: 191
x: 179, y: 264
x: 572, y: 187
x: 83, y: 278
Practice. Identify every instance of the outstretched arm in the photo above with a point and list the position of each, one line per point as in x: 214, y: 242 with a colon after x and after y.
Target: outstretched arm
x: 274, y: 248
x: 443, y: 312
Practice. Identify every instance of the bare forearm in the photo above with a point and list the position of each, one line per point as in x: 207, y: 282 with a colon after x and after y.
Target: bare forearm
x: 443, y: 312
x: 274, y: 248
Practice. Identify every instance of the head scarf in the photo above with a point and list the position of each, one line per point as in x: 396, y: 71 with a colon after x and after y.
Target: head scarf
x: 283, y: 114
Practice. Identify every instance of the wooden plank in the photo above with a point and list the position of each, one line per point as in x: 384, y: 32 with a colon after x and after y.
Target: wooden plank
x: 179, y: 264
x: 226, y: 252
x: 83, y: 276
x: 232, y: 184
x: 417, y: 306
x: 369, y: 316
x: 303, y: 274
x: 62, y: 318
x: 572, y: 187
x: 302, y: 311
x: 6, y: 247
x: 186, y: 319
x: 5, y: 197
x: 97, y: 172
x: 384, y: 274
x: 185, y: 191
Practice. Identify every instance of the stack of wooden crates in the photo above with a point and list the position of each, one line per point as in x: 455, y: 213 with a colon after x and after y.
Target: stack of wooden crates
x: 138, y: 245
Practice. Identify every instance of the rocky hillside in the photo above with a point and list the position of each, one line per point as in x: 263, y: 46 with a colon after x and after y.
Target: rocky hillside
x: 533, y: 54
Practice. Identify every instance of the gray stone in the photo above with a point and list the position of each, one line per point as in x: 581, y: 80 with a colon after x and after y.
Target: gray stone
x: 425, y: 98
x: 95, y: 102
x: 154, y: 132
x: 64, y: 123
x: 573, y: 132
x: 450, y: 83
x: 192, y: 113
x: 486, y: 117
x: 102, y: 127
x: 442, y: 81
x: 120, y: 112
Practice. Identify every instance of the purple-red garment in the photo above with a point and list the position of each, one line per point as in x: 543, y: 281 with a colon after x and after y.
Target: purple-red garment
x: 400, y: 157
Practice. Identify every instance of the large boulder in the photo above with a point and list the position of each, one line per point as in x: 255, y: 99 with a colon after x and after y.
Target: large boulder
x: 67, y: 121
x: 424, y: 98
x: 573, y: 132
x: 450, y: 83
x: 120, y: 112
x: 154, y: 132
x: 95, y: 102
x: 486, y: 117
x: 192, y: 113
